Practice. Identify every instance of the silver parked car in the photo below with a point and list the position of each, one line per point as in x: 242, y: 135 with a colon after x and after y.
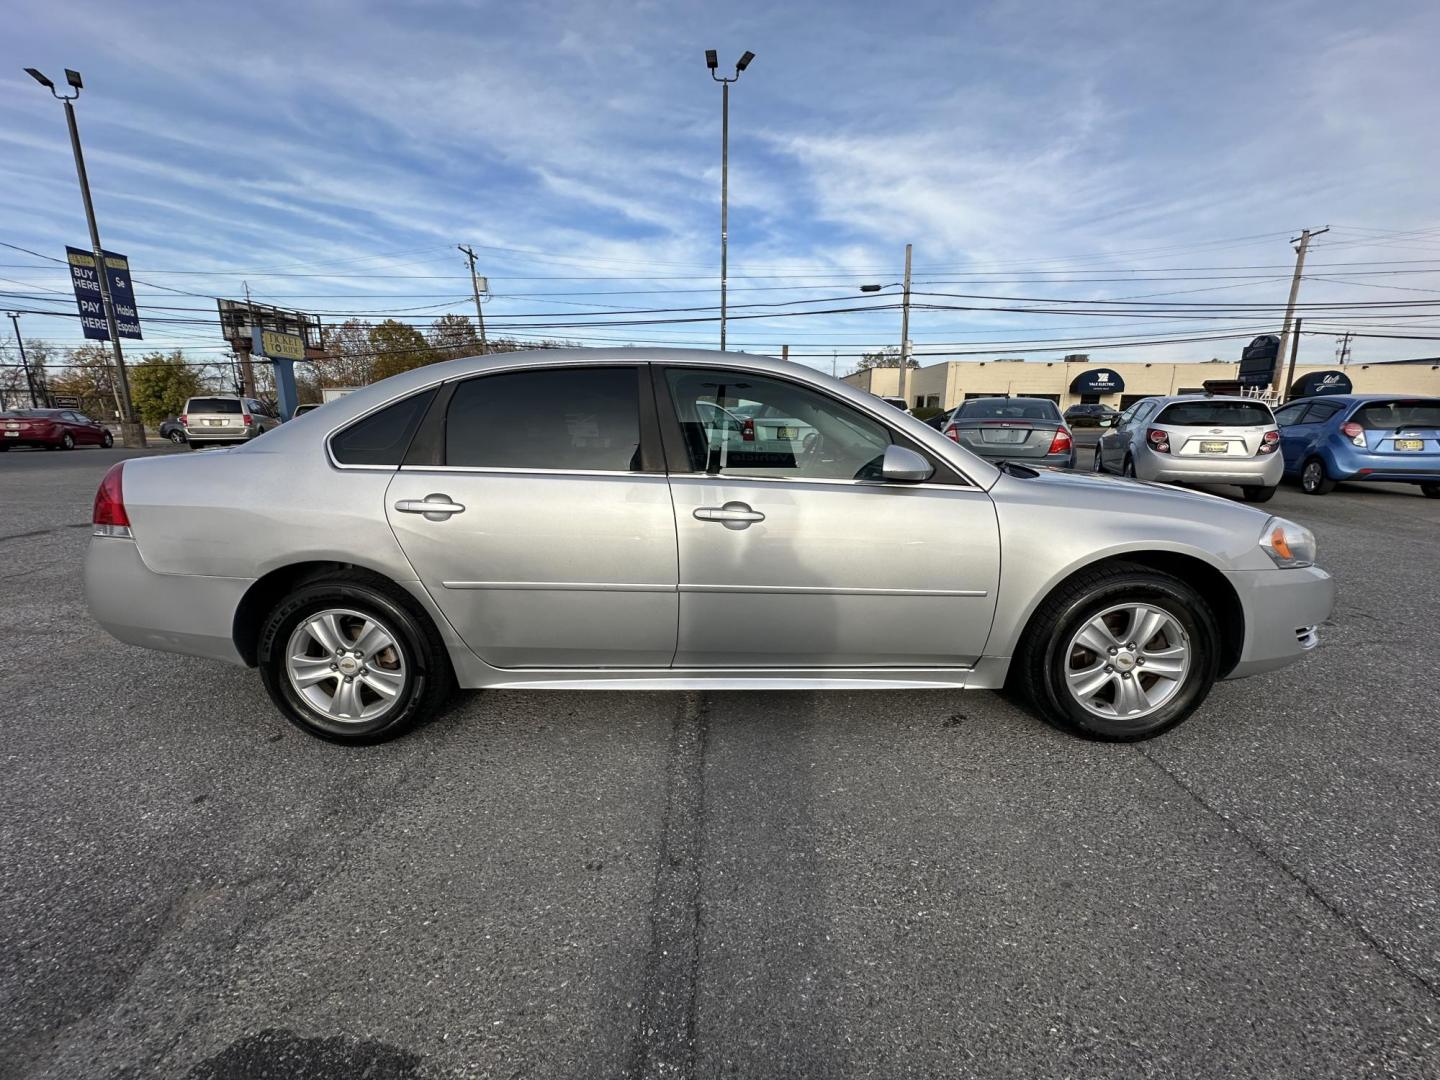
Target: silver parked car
x: 577, y: 519
x: 1196, y: 439
x: 225, y: 418
x: 1027, y: 430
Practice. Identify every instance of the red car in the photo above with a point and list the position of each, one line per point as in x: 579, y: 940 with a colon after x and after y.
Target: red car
x: 57, y: 429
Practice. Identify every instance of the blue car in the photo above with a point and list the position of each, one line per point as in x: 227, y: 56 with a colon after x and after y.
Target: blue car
x: 1375, y: 437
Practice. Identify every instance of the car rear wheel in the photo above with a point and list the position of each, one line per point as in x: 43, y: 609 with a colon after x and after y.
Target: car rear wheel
x: 67, y: 441
x: 1128, y: 469
x: 1121, y: 653
x: 107, y: 440
x: 1256, y: 493
x: 352, y: 661
x: 1313, y: 480
x: 176, y: 437
x: 1430, y: 491
x: 1098, y: 465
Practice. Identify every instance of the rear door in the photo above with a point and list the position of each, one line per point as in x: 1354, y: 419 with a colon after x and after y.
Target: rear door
x: 551, y: 542
x: 795, y: 554
x: 1302, y: 432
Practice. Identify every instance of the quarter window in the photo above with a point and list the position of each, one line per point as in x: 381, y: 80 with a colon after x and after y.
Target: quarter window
x: 382, y: 437
x: 568, y: 419
x: 742, y: 424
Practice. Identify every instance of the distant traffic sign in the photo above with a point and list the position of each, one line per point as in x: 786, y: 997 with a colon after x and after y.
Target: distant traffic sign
x: 86, y: 281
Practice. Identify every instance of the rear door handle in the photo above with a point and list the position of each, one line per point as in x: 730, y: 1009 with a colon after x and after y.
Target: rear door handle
x: 733, y: 515
x: 435, y: 507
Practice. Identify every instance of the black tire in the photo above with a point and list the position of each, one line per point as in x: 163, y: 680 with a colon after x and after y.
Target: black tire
x: 177, y: 437
x: 1098, y: 466
x: 1038, y: 671
x: 1313, y: 478
x: 67, y: 441
x: 1128, y: 469
x: 107, y: 440
x: 1256, y: 493
x: 1430, y: 491
x: 429, y: 678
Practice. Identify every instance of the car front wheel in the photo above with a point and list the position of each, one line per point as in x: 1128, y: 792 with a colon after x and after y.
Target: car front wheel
x: 352, y: 661
x: 1430, y: 491
x: 107, y: 440
x: 1313, y: 479
x: 1121, y: 653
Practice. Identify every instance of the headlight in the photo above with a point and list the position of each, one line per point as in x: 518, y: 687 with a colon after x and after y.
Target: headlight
x: 1288, y: 544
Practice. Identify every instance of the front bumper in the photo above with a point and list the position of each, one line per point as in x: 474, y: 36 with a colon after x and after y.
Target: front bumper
x: 1283, y: 612
x: 170, y: 612
x: 1253, y: 471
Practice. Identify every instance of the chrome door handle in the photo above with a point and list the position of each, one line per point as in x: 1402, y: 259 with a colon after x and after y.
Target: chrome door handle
x: 733, y: 515
x: 435, y: 507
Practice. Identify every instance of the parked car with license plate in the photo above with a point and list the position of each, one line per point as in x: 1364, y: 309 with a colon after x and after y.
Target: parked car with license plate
x: 223, y: 418
x: 561, y: 519
x: 53, y: 429
x: 1196, y: 439
x: 1026, y: 430
x: 1372, y: 437
x: 1084, y: 415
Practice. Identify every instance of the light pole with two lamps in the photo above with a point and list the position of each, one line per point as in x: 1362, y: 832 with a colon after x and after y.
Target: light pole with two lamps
x: 132, y: 432
x: 713, y: 63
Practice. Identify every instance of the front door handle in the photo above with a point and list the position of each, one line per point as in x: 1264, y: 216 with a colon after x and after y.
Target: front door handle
x: 733, y: 515
x: 435, y: 507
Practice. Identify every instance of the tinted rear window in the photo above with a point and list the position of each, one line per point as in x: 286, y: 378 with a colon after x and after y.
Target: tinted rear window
x: 382, y: 437
x: 1008, y: 409
x: 570, y: 419
x: 1216, y: 414
x: 1380, y: 415
x: 213, y: 405
x: 30, y: 414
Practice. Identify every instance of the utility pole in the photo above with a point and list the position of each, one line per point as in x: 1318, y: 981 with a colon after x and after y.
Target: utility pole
x: 24, y: 363
x: 905, y: 331
x: 1294, y: 348
x: 712, y: 62
x: 247, y: 368
x: 132, y: 432
x: 1302, y: 243
x: 1344, y: 350
x: 834, y: 363
x: 475, y: 289
x: 785, y: 352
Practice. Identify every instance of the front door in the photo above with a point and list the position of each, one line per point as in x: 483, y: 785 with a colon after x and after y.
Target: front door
x: 795, y: 554
x: 542, y: 528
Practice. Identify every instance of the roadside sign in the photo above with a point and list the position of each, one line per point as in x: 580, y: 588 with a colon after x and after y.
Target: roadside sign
x: 64, y: 401
x: 86, y: 281
x: 277, y: 345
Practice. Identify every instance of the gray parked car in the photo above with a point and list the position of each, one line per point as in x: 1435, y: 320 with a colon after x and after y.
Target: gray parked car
x: 575, y: 519
x: 1027, y: 430
x: 1196, y: 439
x: 225, y: 418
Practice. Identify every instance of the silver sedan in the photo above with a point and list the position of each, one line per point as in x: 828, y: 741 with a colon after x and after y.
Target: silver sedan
x: 574, y: 519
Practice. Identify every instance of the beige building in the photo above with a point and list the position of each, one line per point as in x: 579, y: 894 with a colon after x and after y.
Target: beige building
x: 945, y: 385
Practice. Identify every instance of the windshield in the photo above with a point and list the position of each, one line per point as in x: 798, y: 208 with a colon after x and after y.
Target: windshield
x: 1379, y: 415
x: 1008, y: 409
x: 213, y: 405
x: 1216, y: 414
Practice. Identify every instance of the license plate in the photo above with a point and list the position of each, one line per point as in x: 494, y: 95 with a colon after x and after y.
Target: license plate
x: 1409, y: 444
x: 789, y: 434
x: 13, y: 434
x: 1214, y: 448
x: 215, y: 423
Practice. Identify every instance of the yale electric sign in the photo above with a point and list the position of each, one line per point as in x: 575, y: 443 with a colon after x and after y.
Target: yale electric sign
x: 280, y: 346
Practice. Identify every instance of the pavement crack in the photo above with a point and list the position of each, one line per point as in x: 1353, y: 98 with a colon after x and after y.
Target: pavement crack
x: 1348, y: 921
x: 664, y: 1040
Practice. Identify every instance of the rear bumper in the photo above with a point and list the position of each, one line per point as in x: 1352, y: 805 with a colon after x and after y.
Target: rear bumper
x: 170, y: 612
x: 29, y: 440
x: 1284, y: 610
x: 1193, y: 469
x: 1347, y: 461
x: 220, y: 435
x: 1065, y: 460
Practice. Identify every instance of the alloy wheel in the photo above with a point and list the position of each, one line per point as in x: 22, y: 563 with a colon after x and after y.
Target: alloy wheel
x: 348, y: 666
x: 1128, y: 661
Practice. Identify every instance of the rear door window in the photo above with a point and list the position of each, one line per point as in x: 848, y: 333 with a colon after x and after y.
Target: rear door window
x: 1320, y: 411
x: 581, y: 419
x: 1291, y: 414
x: 213, y: 405
x: 1216, y: 414
x: 1390, y: 415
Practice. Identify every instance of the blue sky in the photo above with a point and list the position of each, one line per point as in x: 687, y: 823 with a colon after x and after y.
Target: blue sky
x: 332, y: 156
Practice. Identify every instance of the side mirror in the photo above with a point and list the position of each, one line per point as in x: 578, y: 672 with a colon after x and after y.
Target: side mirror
x: 1106, y: 421
x: 905, y: 466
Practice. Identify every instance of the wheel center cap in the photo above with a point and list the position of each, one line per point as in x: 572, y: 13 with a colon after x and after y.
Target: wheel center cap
x: 1123, y: 660
x: 348, y: 665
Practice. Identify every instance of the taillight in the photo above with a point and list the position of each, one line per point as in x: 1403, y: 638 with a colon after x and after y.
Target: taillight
x: 952, y: 433
x: 1061, y: 442
x: 249, y: 420
x: 1354, y: 432
x: 184, y: 419
x: 1159, y: 440
x: 109, y: 517
x: 1269, y: 441
x: 747, y: 431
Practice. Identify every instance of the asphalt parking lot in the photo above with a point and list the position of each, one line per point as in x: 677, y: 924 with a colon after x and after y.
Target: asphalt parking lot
x: 717, y: 885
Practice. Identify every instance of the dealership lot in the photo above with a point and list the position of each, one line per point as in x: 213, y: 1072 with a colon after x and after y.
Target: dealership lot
x: 718, y: 884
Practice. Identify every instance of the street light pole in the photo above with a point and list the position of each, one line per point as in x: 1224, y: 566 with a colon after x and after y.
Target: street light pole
x: 132, y: 432
x: 475, y: 289
x: 24, y: 363
x: 905, y: 331
x: 712, y: 62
